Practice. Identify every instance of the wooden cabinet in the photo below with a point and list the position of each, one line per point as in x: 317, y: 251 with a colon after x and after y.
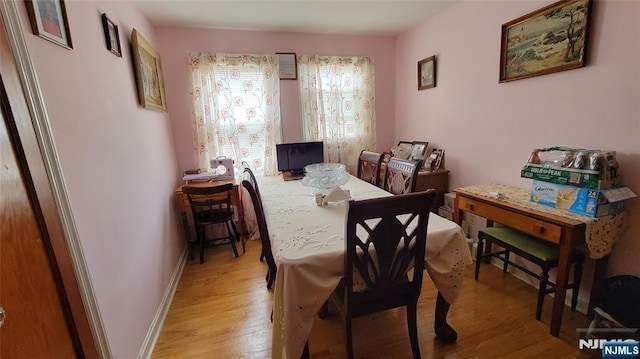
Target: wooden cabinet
x: 439, y: 180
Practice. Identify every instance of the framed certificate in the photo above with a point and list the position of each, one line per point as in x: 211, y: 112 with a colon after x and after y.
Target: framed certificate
x: 288, y: 65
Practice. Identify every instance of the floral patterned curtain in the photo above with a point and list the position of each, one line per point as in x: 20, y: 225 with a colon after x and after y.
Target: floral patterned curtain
x: 236, y: 109
x: 337, y: 100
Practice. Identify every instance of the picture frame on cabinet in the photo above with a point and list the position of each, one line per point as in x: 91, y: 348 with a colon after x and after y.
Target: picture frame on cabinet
x: 403, y: 150
x: 419, y: 149
x: 48, y: 20
x: 434, y: 161
x: 545, y: 41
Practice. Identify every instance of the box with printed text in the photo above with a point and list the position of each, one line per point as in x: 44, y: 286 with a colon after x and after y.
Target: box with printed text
x: 584, y: 201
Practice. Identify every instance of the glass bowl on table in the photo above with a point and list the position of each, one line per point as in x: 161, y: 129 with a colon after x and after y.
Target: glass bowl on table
x: 325, y: 176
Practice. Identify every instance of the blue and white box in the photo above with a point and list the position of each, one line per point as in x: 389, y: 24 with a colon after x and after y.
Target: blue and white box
x: 584, y: 201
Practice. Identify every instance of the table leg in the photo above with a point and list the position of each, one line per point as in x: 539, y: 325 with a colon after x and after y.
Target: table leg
x: 562, y: 278
x: 444, y: 332
x: 238, y: 203
x: 597, y: 285
x: 187, y: 236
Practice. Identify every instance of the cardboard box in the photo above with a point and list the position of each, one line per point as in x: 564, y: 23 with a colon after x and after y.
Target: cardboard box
x: 449, y: 201
x: 445, y: 213
x: 584, y: 201
x: 567, y: 176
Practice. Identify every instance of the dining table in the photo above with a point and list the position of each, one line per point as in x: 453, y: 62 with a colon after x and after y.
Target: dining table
x: 308, y: 246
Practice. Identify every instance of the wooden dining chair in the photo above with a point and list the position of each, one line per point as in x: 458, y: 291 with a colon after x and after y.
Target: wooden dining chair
x: 212, y: 205
x: 401, y: 175
x: 369, y: 167
x: 248, y: 170
x: 249, y: 182
x: 385, y: 239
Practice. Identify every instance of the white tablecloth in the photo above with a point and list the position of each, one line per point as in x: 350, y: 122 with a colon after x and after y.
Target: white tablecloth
x: 308, y: 246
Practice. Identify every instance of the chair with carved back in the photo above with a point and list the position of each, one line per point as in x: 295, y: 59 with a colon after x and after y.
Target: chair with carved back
x: 401, y: 175
x: 249, y: 182
x: 385, y: 244
x: 212, y: 205
x: 369, y: 167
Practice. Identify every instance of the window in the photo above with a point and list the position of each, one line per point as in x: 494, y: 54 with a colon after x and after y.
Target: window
x: 236, y: 110
x: 337, y: 100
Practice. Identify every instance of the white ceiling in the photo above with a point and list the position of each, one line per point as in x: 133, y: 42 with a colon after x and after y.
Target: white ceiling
x: 358, y: 17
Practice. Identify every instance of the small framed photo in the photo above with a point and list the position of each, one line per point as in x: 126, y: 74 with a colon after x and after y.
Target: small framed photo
x: 403, y: 150
x: 419, y: 149
x: 288, y: 65
x: 427, y: 73
x: 49, y: 21
x: 434, y: 161
x: 111, y: 35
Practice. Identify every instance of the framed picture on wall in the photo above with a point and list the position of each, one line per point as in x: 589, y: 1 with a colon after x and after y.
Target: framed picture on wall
x: 48, y: 20
x: 148, y: 73
x: 111, y: 35
x: 548, y: 40
x: 288, y: 65
x: 427, y: 73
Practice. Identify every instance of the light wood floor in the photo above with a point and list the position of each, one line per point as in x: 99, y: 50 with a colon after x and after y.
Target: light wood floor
x: 221, y: 310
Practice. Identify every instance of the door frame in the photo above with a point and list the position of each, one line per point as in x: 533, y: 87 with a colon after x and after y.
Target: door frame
x: 42, y: 159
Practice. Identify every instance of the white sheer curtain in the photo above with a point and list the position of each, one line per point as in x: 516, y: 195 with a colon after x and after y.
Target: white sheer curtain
x: 236, y: 109
x: 337, y: 103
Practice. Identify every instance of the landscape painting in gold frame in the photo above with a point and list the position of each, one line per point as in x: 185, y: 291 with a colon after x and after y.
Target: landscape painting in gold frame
x: 148, y: 73
x: 548, y: 40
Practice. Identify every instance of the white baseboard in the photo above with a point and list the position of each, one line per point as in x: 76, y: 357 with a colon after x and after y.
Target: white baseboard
x: 158, y: 320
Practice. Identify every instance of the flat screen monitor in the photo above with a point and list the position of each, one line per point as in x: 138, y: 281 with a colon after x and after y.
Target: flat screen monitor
x: 292, y: 157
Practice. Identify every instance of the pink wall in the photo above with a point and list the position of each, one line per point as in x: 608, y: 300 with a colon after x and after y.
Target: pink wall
x: 118, y: 164
x: 175, y: 43
x: 488, y: 129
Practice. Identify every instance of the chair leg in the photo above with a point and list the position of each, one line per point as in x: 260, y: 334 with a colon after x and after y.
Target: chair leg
x: 239, y: 237
x: 412, y: 323
x: 544, y: 279
x: 190, y: 249
x: 479, y: 252
x: 232, y: 238
x: 577, y: 277
x: 348, y: 337
x: 272, y: 278
x: 506, y: 263
x: 201, y: 235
